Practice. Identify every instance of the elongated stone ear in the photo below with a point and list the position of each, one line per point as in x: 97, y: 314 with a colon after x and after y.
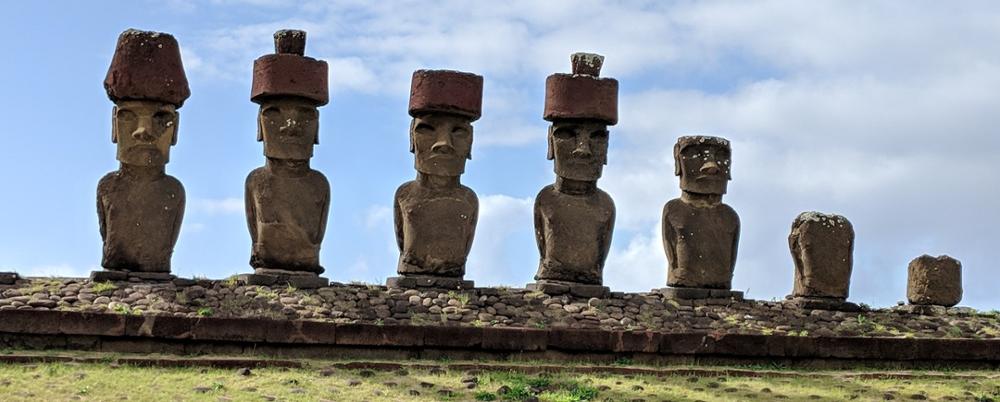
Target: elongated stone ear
x: 469, y: 156
x: 550, y: 153
x: 677, y: 159
x: 413, y: 126
x: 177, y: 126
x: 260, y: 127
x: 114, y: 125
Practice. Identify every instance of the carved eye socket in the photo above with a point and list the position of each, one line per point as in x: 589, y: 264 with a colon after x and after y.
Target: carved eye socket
x: 272, y: 114
x: 564, y: 133
x: 599, y: 135
x: 460, y: 132
x: 308, y: 113
x: 424, y: 128
x: 163, y: 119
x: 126, y: 115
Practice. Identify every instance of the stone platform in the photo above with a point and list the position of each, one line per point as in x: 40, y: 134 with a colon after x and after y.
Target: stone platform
x: 428, y: 282
x: 297, y: 281
x: 822, y: 303
x: 699, y: 293
x: 556, y: 288
x: 112, y: 276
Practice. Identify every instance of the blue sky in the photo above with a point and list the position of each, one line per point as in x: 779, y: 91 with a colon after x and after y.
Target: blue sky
x: 884, y: 112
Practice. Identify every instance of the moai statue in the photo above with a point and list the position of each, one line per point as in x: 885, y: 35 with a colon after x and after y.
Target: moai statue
x: 822, y: 248
x: 700, y: 233
x: 934, y: 281
x: 286, y: 201
x: 573, y: 218
x: 139, y: 206
x: 435, y: 215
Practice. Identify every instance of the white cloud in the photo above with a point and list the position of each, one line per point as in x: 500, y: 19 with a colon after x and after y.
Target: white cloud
x: 54, y: 270
x: 221, y: 206
x: 503, y: 251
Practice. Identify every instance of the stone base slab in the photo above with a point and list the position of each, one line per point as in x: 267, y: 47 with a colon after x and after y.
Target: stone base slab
x: 699, y: 293
x: 555, y: 288
x: 822, y: 303
x: 8, y: 278
x: 118, y: 276
x: 298, y: 281
x: 921, y: 309
x: 412, y: 282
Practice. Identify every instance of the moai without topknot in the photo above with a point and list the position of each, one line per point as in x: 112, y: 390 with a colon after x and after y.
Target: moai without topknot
x: 574, y: 219
x: 139, y: 206
x: 435, y: 215
x: 822, y: 248
x: 700, y: 233
x: 933, y: 282
x: 287, y: 201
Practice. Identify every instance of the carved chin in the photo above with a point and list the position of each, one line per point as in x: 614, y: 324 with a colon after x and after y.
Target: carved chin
x: 143, y: 156
x: 582, y: 172
x: 441, y: 166
x: 704, y: 186
x: 288, y: 151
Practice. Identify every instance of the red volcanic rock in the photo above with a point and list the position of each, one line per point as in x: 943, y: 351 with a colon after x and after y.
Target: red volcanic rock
x: 446, y: 91
x: 583, y: 94
x: 288, y: 73
x: 147, y: 66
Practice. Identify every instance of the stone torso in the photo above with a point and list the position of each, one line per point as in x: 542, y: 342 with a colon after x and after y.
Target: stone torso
x: 573, y: 234
x: 287, y: 219
x: 140, y: 221
x: 434, y: 228
x: 822, y: 252
x: 700, y: 244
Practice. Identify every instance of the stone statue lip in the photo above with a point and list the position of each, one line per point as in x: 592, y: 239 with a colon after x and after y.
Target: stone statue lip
x: 711, y: 177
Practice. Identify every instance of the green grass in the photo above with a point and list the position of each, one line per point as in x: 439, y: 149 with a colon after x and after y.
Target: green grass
x: 107, y: 381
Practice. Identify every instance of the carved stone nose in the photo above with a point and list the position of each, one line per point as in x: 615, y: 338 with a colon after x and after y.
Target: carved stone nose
x: 582, y: 150
x: 442, y: 147
x: 710, y: 168
x: 141, y: 134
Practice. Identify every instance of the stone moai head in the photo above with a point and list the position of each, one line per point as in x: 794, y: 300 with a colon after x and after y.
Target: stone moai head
x: 289, y: 87
x: 443, y: 105
x: 934, y: 281
x: 146, y: 82
x: 703, y: 164
x: 822, y: 248
x: 580, y: 106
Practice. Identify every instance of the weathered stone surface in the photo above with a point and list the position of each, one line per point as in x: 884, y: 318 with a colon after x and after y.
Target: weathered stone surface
x: 147, y: 66
x: 934, y: 281
x: 446, y: 91
x: 700, y: 233
x: 435, y: 215
x: 822, y: 248
x: 287, y: 202
x: 139, y: 206
x: 823, y: 303
x: 574, y: 219
x: 287, y: 72
x: 420, y: 281
x: 582, y: 94
x: 271, y: 278
x: 679, y: 293
x: 8, y: 278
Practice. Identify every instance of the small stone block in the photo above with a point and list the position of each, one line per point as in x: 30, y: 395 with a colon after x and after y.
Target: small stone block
x: 411, y: 282
x: 8, y: 278
x: 400, y: 282
x: 104, y: 276
x: 823, y: 303
x: 684, y: 293
x: 183, y: 282
x: 588, y: 291
x: 921, y: 309
x: 726, y: 294
x: 306, y: 281
x: 152, y: 276
x: 549, y: 288
x: 297, y: 281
